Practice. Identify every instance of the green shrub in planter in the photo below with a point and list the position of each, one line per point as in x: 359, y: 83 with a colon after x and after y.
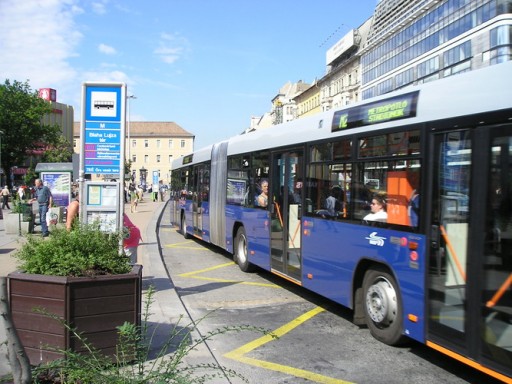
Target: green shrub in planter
x: 23, y: 209
x: 85, y: 251
x: 81, y: 278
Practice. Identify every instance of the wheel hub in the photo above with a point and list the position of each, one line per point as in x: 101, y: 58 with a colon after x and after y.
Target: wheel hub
x: 381, y: 302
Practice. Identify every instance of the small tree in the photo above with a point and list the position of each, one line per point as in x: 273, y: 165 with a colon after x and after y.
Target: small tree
x: 60, y: 152
x: 21, y: 114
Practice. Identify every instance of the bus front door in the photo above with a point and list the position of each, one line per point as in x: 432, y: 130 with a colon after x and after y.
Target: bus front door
x: 198, y: 199
x: 286, y: 194
x: 470, y: 265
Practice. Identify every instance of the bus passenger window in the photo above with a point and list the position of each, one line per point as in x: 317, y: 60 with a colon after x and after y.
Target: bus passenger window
x: 262, y: 194
x: 397, y: 182
x: 260, y: 165
x: 326, y: 190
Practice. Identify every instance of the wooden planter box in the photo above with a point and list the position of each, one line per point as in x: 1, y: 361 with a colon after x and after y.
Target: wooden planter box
x: 94, y: 306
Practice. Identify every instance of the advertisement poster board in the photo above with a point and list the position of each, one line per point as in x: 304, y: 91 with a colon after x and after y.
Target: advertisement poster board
x: 60, y: 186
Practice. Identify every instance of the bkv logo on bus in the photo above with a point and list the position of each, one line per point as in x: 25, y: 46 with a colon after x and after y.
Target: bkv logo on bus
x: 375, y: 240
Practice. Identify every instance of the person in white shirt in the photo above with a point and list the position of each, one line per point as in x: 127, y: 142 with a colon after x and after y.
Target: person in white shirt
x: 5, y: 197
x: 154, y: 192
x: 378, y: 210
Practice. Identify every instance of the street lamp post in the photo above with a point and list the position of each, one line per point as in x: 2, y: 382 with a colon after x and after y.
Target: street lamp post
x: 1, y: 174
x: 129, y: 111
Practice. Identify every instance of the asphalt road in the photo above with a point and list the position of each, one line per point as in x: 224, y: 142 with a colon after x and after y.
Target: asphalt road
x: 317, y: 341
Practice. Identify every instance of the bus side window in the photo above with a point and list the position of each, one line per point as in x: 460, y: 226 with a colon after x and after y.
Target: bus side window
x: 403, y: 196
x: 260, y: 166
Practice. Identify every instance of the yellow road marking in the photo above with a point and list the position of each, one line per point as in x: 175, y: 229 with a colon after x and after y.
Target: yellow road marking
x: 194, y: 273
x: 238, y: 354
x: 235, y: 281
x: 207, y: 269
x: 184, y: 245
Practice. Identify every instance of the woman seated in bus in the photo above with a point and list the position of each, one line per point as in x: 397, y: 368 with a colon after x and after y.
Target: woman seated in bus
x: 262, y: 199
x: 378, y: 210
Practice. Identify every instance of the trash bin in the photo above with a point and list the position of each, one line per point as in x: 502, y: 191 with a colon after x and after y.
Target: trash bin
x: 26, y: 212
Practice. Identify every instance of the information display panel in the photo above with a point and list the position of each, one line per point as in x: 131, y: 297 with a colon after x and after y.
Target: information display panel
x: 102, y: 205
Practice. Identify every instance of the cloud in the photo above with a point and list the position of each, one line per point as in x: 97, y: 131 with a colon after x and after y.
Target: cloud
x: 108, y: 76
x: 171, y: 47
x: 99, y: 7
x: 107, y: 49
x: 37, y: 38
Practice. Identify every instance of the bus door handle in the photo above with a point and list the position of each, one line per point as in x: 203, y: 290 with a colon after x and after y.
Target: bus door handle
x: 435, y: 237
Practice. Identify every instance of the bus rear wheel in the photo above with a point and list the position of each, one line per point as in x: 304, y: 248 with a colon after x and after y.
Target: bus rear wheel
x: 383, y: 306
x: 241, y: 254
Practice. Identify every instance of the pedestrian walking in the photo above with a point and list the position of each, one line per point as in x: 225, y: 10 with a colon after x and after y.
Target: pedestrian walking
x: 131, y: 239
x: 5, y: 197
x: 154, y: 192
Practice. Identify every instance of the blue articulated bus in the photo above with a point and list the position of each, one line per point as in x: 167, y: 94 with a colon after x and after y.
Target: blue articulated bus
x: 397, y: 207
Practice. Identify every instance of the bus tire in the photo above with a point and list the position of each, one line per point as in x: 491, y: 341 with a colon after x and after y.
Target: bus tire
x: 241, y: 254
x: 383, y: 306
x: 184, y: 227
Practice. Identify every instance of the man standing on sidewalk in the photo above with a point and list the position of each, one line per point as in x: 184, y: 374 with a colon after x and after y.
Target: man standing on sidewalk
x: 44, y: 199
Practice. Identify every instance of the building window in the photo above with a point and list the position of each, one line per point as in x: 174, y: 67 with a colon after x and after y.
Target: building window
x: 134, y: 143
x: 146, y: 143
x: 170, y: 159
x: 501, y: 44
x: 404, y: 78
x: 74, y: 143
x: 457, y: 54
x: 384, y: 87
x: 170, y: 143
x: 182, y: 143
x: 428, y: 67
x: 157, y: 158
x: 146, y: 158
x: 158, y: 143
x: 368, y: 93
x: 134, y: 158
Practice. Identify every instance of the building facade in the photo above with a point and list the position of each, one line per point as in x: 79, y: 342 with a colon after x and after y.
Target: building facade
x: 408, y: 42
x: 151, y: 147
x: 341, y: 85
x: 413, y: 42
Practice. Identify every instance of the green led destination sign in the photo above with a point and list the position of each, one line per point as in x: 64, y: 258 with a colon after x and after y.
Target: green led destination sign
x: 393, y: 108
x: 188, y: 159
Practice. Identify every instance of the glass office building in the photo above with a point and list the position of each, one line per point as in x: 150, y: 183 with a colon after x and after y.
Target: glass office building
x: 413, y: 41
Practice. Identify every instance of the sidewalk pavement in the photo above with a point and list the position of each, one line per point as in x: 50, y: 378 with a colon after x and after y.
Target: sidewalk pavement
x: 167, y: 309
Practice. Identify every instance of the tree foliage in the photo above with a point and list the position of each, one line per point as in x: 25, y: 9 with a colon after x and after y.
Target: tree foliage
x: 21, y: 121
x: 60, y: 152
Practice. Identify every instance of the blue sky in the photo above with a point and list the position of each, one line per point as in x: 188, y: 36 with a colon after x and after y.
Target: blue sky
x: 208, y: 65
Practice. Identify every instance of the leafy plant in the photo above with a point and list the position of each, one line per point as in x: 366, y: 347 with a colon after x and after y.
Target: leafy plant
x: 22, y: 209
x: 85, y: 251
x: 134, y: 363
x: 21, y: 121
x: 17, y: 207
